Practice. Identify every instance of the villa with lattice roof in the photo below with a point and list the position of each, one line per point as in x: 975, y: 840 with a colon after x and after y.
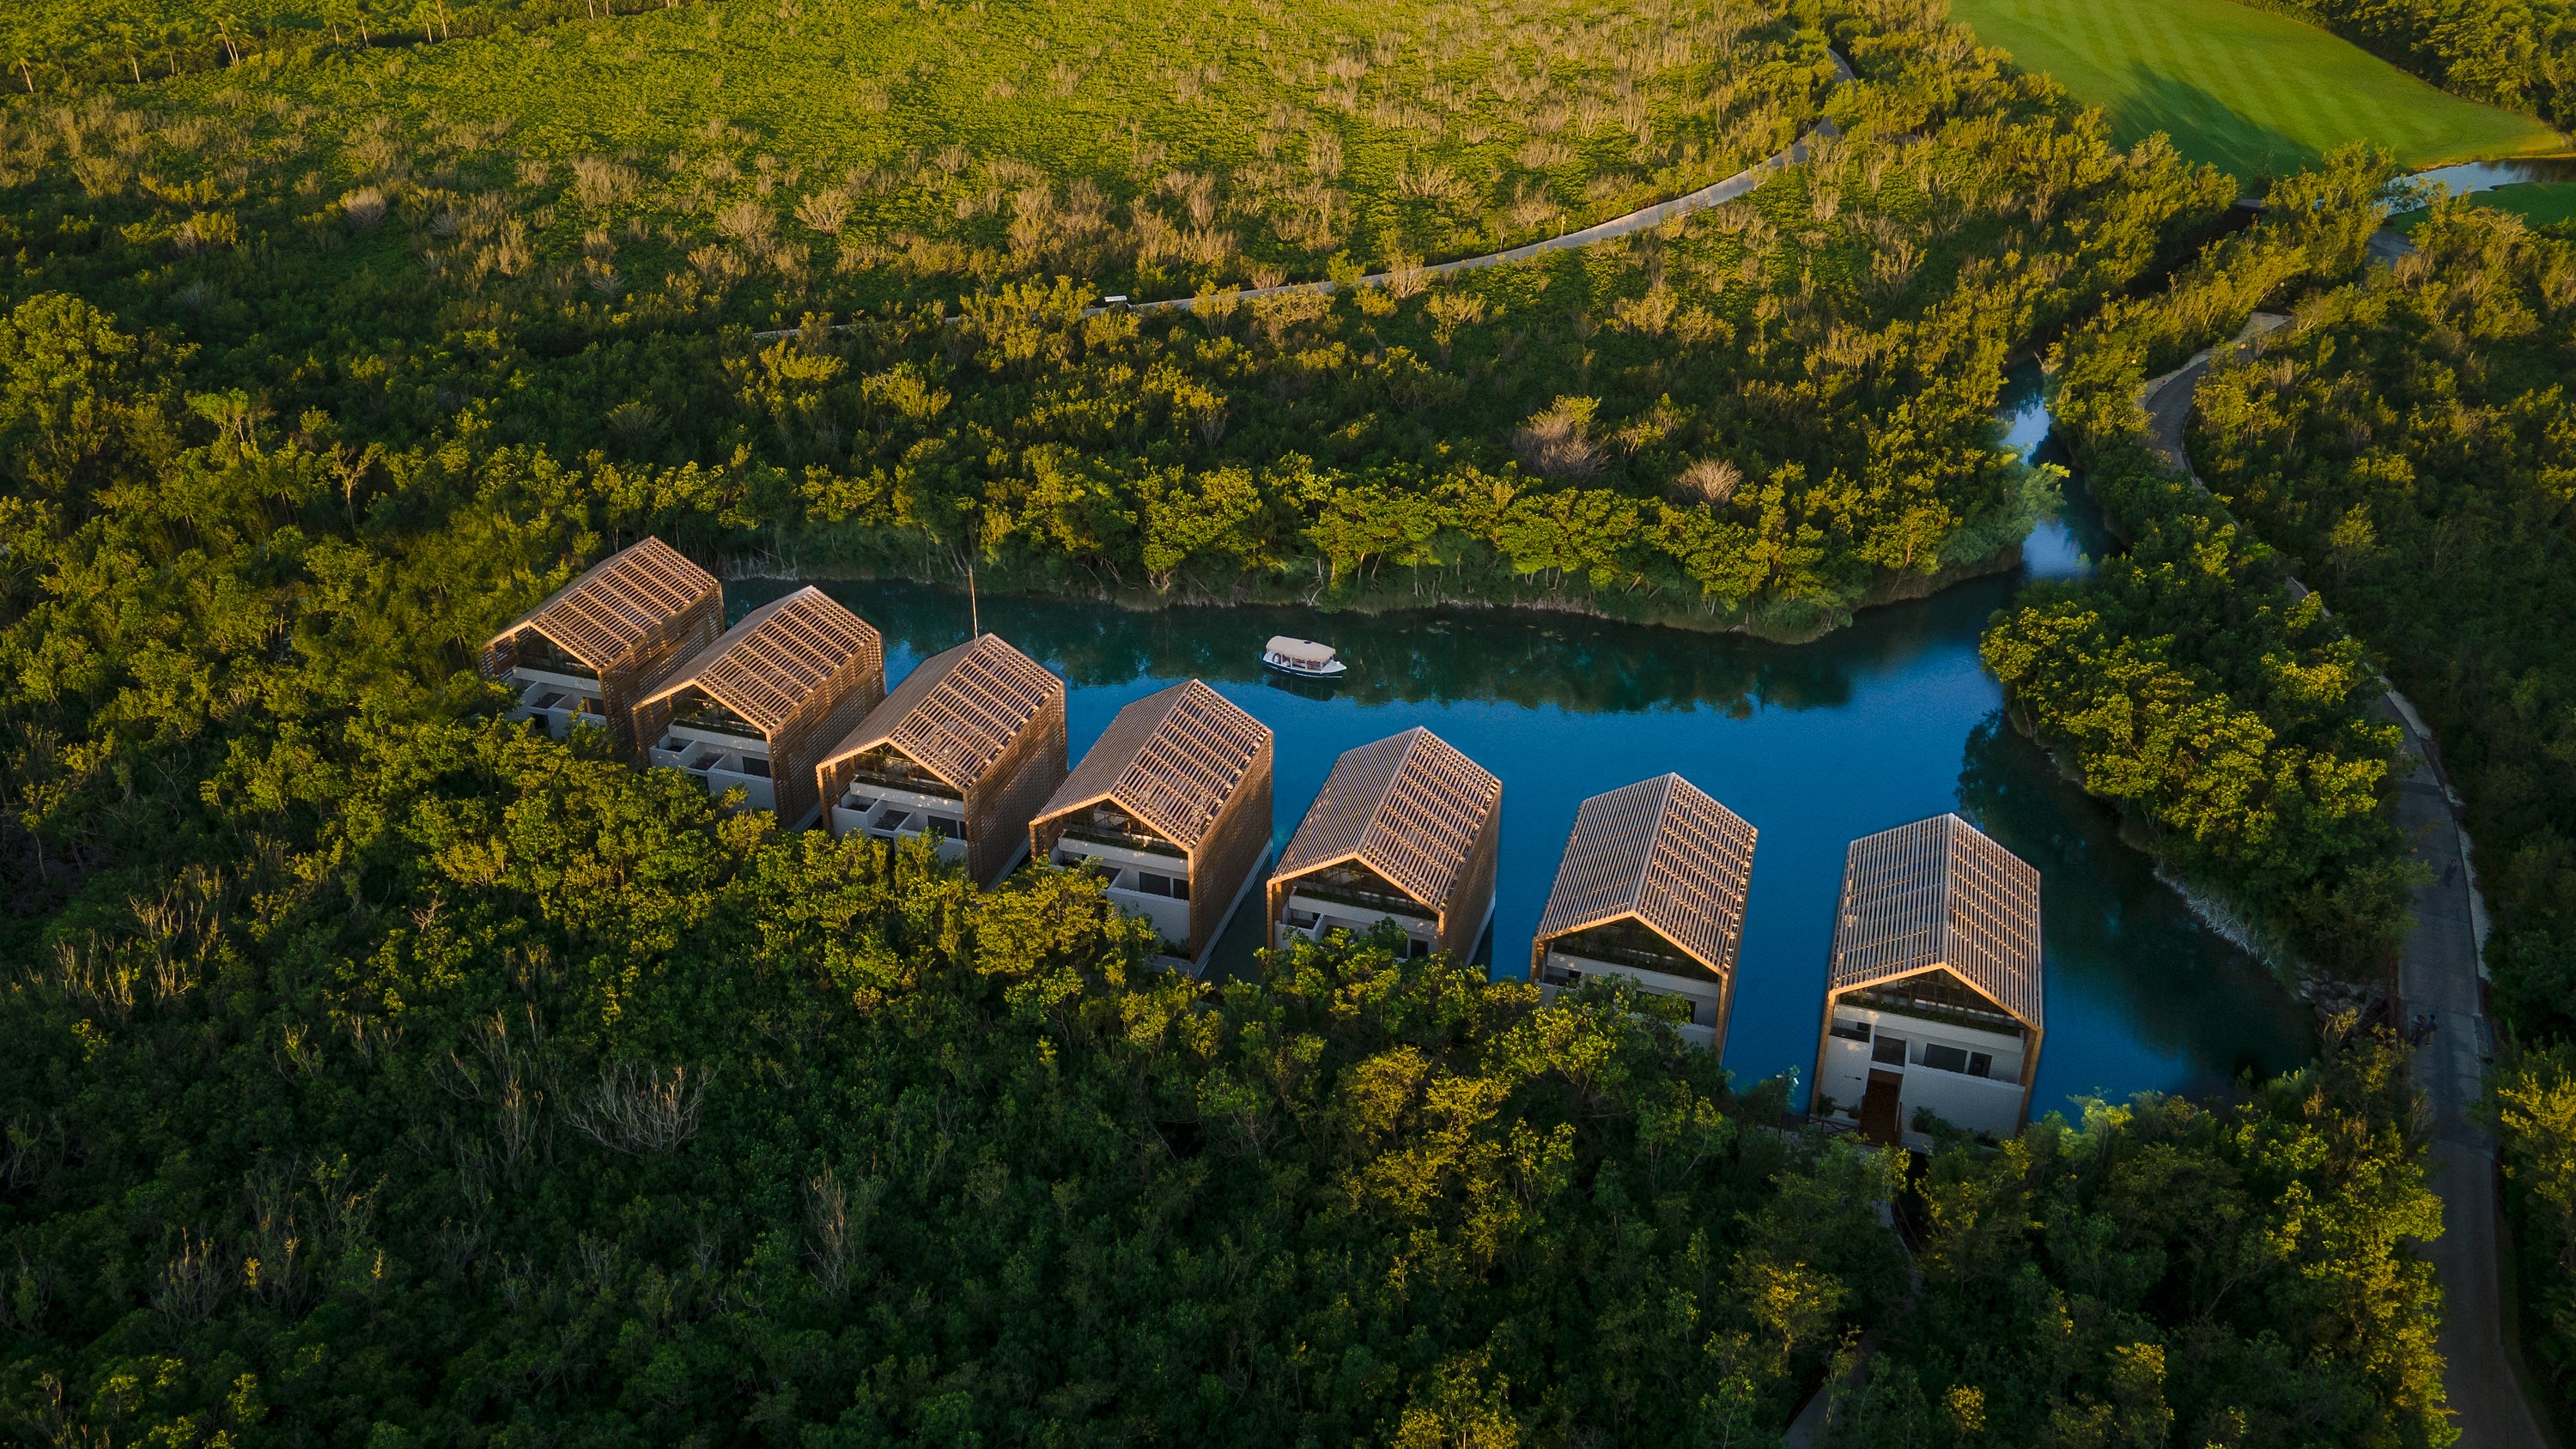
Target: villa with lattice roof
x: 756, y: 709
x: 1933, y: 1000
x: 1651, y: 888
x: 965, y: 750
x: 599, y: 644
x: 1406, y: 830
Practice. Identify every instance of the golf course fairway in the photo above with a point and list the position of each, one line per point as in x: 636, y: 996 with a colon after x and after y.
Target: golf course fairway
x: 2250, y: 91
x: 2543, y: 203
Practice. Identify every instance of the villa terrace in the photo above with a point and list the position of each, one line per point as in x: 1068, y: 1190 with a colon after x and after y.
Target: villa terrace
x: 753, y: 710
x: 965, y: 750
x: 597, y: 645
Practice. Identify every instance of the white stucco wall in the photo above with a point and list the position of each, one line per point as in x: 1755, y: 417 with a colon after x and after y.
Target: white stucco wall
x: 1358, y: 920
x: 1992, y: 1103
x: 1707, y: 998
x: 1119, y: 863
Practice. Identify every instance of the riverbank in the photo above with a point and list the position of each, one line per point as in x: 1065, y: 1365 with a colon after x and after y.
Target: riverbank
x: 1783, y: 622
x: 1888, y: 721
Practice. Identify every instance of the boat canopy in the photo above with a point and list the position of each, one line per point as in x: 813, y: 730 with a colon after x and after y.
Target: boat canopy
x: 1303, y: 651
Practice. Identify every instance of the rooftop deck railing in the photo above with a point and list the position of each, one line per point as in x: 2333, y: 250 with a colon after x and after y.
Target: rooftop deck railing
x: 1994, y: 1021
x: 1315, y: 889
x: 1667, y: 963
x: 1124, y: 839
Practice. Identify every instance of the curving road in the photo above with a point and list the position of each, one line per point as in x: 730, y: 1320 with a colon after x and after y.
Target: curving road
x: 2438, y: 975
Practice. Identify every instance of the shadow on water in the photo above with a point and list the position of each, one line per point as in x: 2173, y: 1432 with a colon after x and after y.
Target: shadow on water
x: 1888, y: 721
x: 2150, y: 992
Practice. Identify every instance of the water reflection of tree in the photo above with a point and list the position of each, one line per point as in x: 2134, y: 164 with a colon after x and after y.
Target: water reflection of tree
x: 2181, y: 989
x: 1561, y: 660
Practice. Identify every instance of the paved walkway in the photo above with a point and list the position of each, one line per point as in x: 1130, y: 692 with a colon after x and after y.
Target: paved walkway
x: 1742, y: 183
x: 2438, y: 976
x: 1643, y: 219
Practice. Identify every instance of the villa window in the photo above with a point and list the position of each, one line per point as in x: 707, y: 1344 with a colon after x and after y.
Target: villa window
x: 1850, y: 1030
x: 536, y: 651
x: 696, y: 711
x: 1946, y: 1058
x: 1980, y: 1065
x: 1889, y: 1050
x: 1170, y: 887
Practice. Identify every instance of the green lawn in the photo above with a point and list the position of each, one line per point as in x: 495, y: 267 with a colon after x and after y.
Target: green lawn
x: 2540, y: 203
x: 2250, y: 91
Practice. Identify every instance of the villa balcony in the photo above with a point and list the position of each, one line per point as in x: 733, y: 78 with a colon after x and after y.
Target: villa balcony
x: 1124, y: 840
x: 560, y: 707
x: 720, y: 770
x: 1402, y: 908
x: 898, y: 820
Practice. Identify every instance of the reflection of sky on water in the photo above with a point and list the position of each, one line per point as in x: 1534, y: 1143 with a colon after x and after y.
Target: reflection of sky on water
x: 2063, y: 547
x: 1885, y: 722
x: 1888, y: 721
x: 2469, y: 176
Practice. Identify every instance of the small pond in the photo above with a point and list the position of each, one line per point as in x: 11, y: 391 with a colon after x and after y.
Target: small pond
x: 1888, y: 721
x: 2471, y: 176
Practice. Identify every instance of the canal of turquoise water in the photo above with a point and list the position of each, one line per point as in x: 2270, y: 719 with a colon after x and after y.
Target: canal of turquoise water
x: 1887, y: 721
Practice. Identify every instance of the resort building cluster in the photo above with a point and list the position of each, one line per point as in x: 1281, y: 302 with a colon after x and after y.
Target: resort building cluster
x: 1932, y: 1012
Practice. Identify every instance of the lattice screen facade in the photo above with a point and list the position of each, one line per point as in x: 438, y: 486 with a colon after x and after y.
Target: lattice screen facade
x: 633, y: 619
x: 985, y: 719
x: 802, y: 670
x: 1195, y: 769
x: 1419, y: 813
x: 1940, y: 895
x: 1664, y: 854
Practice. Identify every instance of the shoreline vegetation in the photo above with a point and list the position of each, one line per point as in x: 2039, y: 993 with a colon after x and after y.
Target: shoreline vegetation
x: 1791, y: 623
x: 2228, y: 716
x: 1775, y: 406
x: 382, y: 1072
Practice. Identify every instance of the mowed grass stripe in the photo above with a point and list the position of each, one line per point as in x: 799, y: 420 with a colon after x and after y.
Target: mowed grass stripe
x: 2250, y: 91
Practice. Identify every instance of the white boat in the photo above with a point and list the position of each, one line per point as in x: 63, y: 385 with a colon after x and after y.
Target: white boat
x: 1302, y: 657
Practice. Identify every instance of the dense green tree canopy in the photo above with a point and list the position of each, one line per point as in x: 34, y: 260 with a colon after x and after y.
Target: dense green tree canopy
x: 2189, y: 678
x: 2409, y: 442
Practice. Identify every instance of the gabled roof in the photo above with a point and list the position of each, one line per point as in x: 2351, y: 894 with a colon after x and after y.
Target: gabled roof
x: 1939, y: 893
x: 781, y: 652
x: 618, y: 603
x: 1662, y: 851
x: 1407, y: 807
x: 957, y: 712
x: 1172, y: 759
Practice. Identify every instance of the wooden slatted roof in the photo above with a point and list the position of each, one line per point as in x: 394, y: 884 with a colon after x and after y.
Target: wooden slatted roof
x: 1407, y: 807
x: 1172, y: 758
x: 1665, y: 853
x: 957, y: 712
x: 617, y: 603
x: 781, y: 652
x: 1939, y: 893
